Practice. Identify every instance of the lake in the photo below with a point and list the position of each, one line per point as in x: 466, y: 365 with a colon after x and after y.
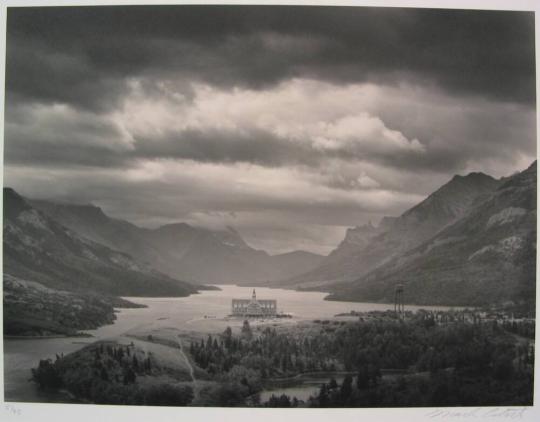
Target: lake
x: 20, y: 355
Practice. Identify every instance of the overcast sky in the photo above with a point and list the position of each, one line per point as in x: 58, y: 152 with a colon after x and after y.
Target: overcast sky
x: 288, y: 123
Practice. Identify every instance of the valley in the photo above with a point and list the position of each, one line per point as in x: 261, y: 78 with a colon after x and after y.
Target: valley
x: 470, y: 243
x: 164, y: 319
x: 84, y: 290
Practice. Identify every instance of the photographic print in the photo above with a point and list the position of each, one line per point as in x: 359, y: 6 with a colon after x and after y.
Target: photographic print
x: 269, y: 206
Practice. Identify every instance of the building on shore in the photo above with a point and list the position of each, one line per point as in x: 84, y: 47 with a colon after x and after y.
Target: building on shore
x: 254, y: 307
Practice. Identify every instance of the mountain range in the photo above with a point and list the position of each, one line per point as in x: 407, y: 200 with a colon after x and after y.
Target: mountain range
x: 39, y: 249
x: 472, y: 241
x: 475, y: 244
x: 367, y: 247
x: 174, y: 251
x: 487, y: 255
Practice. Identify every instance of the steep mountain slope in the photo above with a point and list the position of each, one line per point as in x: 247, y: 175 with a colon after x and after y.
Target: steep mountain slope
x: 203, y: 255
x: 182, y: 251
x: 487, y: 256
x: 91, y: 222
x: 365, y: 248
x: 39, y: 249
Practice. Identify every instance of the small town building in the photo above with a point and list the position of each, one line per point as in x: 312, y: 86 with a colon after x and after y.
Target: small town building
x: 254, y: 307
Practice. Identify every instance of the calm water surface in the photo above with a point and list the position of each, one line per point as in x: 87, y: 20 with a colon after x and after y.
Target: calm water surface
x: 21, y: 355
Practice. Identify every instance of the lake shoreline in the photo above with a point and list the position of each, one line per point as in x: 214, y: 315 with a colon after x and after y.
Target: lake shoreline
x: 14, y: 337
x: 21, y: 353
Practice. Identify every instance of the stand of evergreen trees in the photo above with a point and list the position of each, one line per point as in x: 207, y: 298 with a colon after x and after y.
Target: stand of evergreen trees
x: 107, y: 374
x: 269, y: 353
x: 458, y: 363
x: 500, y: 386
x: 386, y: 362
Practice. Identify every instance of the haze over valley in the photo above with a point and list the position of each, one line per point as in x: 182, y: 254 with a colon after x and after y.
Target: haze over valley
x: 270, y: 206
x: 471, y: 242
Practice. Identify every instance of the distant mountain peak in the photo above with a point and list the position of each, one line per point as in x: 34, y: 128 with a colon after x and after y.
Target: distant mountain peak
x: 453, y: 198
x: 366, y: 247
x: 40, y: 247
x: 232, y: 230
x: 486, y: 255
x: 366, y: 227
x: 10, y: 191
x: 90, y: 209
x: 472, y: 176
x: 12, y: 194
x: 470, y: 179
x: 13, y: 203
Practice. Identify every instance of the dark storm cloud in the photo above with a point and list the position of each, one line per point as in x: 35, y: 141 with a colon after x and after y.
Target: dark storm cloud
x: 62, y: 137
x: 39, y: 72
x: 288, y: 122
x: 82, y: 55
x: 301, y: 123
x: 257, y: 147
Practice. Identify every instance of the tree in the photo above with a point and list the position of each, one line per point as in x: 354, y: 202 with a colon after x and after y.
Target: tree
x: 46, y: 376
x: 246, y: 330
x: 374, y: 374
x: 281, y: 401
x: 346, y: 387
x: 168, y: 395
x: 104, y: 375
x: 503, y: 368
x: 323, y: 396
x: 229, y: 394
x: 246, y: 377
x: 362, y: 379
x: 129, y: 376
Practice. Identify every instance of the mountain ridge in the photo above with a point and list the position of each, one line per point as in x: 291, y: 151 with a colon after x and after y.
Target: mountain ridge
x: 487, y: 256
x: 464, y: 230
x: 180, y: 250
x: 366, y: 247
x: 38, y: 248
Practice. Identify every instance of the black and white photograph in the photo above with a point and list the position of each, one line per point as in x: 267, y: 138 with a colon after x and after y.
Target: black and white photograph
x: 300, y: 206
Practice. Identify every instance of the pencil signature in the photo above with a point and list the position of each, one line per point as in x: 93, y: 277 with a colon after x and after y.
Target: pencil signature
x: 511, y: 413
